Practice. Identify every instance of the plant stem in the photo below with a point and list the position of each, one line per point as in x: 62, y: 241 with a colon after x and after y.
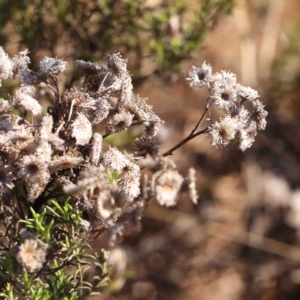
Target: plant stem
x: 192, y: 135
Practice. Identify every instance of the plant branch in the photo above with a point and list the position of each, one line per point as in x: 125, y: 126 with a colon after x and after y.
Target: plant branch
x: 192, y: 135
x: 207, y: 107
x: 55, y: 80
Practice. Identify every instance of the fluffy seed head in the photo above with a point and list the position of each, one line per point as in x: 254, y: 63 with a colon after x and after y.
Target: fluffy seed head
x: 222, y: 132
x: 224, y: 97
x: 247, y: 136
x: 115, y: 160
x: 167, y: 187
x: 32, y: 254
x: 200, y: 77
x: 81, y: 129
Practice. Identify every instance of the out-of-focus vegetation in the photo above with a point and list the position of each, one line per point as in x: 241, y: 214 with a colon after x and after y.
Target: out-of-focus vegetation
x: 164, y: 32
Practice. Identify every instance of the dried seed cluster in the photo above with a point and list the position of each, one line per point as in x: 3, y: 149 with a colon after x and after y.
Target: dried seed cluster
x: 230, y: 97
x: 59, y: 151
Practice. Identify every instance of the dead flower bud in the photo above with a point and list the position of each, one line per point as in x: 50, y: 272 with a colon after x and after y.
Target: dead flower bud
x: 36, y: 188
x: 100, y: 111
x: 119, y: 122
x: 152, y: 128
x: 146, y: 145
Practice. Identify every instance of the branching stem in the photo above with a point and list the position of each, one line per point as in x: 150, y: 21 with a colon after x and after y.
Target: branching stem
x: 194, y: 132
x: 184, y: 141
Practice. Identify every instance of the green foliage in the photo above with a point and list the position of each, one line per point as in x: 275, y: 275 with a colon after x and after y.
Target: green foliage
x: 62, y: 276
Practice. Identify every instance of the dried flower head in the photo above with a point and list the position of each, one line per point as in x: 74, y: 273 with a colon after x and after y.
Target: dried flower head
x: 25, y: 100
x: 81, y: 129
x: 115, y: 160
x: 20, y: 62
x: 220, y: 133
x: 144, y: 113
x: 224, y: 97
x: 6, y: 177
x: 131, y: 184
x: 225, y: 80
x: 100, y: 111
x: 189, y: 185
x: 96, y: 148
x: 5, y: 126
x: 5, y: 107
x: 104, y: 205
x: 146, y: 145
x: 116, y: 64
x: 119, y: 122
x: 90, y: 182
x: 66, y: 161
x: 51, y: 66
x: 28, y: 77
x: 247, y: 136
x: 32, y: 168
x: 167, y: 187
x: 259, y: 114
x: 247, y: 93
x: 6, y: 66
x: 200, y: 77
x: 240, y: 114
x: 45, y: 129
x: 32, y: 254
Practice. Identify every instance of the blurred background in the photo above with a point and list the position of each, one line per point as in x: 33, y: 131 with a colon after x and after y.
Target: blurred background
x: 242, y: 240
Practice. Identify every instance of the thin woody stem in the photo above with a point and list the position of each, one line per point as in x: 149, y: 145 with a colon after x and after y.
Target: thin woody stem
x: 207, y: 107
x: 193, y: 132
x: 184, y: 141
x: 100, y: 87
x: 54, y: 78
x: 50, y: 87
